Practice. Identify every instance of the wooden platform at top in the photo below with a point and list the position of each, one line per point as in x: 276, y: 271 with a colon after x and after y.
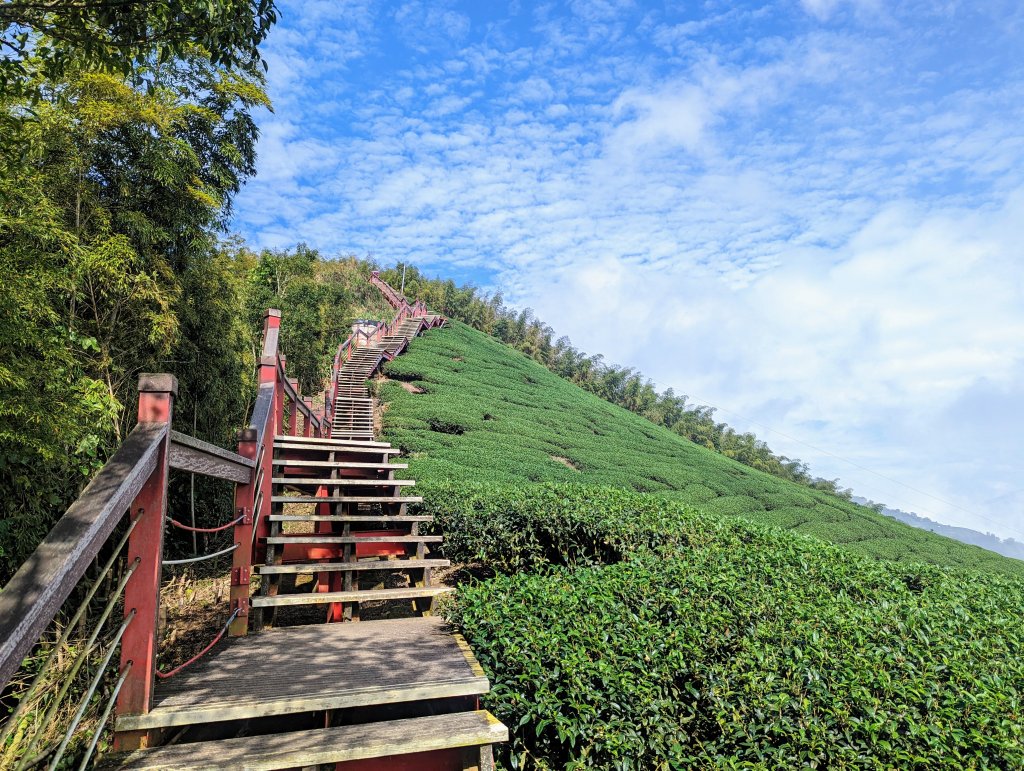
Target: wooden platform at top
x: 317, y: 667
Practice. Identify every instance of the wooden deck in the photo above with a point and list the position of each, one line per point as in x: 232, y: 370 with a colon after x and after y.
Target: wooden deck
x: 316, y: 667
x: 327, y: 745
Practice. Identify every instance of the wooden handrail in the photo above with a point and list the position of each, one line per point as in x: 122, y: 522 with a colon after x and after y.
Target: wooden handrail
x: 199, y: 457
x: 35, y: 594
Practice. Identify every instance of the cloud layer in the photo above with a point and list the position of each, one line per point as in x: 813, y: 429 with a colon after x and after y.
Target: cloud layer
x: 806, y: 213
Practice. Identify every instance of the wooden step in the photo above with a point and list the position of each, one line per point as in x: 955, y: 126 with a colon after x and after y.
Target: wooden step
x: 303, y: 749
x: 347, y: 482
x: 311, y: 668
x: 317, y: 441
x: 345, y: 567
x: 336, y: 464
x: 350, y: 518
x: 351, y: 449
x: 347, y: 499
x: 324, y: 538
x: 365, y: 595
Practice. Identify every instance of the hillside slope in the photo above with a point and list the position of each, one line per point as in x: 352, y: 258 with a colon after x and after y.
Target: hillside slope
x: 488, y: 413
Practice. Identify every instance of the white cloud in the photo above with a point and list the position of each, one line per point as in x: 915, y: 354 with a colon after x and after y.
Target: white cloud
x: 923, y: 311
x: 811, y: 225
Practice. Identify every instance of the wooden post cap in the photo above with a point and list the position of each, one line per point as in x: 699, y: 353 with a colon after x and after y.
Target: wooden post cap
x: 158, y: 383
x: 273, y: 312
x: 246, y: 435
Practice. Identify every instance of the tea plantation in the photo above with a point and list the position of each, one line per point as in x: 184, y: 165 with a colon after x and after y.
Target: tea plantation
x: 636, y: 605
x: 489, y: 413
x: 624, y: 631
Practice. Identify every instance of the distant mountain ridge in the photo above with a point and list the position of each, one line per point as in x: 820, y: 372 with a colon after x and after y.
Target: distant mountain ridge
x: 1008, y: 547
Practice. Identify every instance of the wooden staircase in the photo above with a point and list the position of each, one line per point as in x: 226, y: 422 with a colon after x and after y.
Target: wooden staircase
x: 338, y: 515
x: 397, y: 693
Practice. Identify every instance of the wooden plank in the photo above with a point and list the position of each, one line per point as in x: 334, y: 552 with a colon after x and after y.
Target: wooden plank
x: 348, y: 482
x: 337, y: 464
x: 352, y: 449
x: 338, y: 567
x: 191, y: 454
x: 347, y: 499
x: 261, y: 410
x: 366, y: 595
x: 317, y: 539
x: 316, y: 441
x: 349, y: 518
x: 319, y: 666
x: 325, y: 745
x: 37, y: 590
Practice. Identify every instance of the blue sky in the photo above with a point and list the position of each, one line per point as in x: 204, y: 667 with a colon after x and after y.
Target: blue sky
x: 807, y: 213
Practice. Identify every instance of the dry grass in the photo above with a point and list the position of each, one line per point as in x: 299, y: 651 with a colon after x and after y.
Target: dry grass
x: 193, y: 608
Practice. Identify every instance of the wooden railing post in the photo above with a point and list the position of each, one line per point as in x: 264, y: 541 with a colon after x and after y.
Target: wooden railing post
x: 279, y: 397
x: 293, y: 408
x: 307, y: 424
x: 241, y: 561
x: 145, y: 546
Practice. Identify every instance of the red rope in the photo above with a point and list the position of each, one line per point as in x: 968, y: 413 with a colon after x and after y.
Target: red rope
x: 183, y: 526
x: 203, y: 652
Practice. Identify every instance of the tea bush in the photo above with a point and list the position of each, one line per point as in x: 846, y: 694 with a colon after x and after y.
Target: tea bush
x: 517, y: 419
x: 754, y: 650
x: 511, y: 528
x: 630, y: 630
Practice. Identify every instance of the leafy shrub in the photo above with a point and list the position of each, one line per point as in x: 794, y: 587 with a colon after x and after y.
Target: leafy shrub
x: 535, y: 414
x: 512, y: 528
x: 756, y: 650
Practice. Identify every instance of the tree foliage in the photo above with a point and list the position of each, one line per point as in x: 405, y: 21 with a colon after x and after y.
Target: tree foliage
x: 111, y: 208
x: 124, y: 37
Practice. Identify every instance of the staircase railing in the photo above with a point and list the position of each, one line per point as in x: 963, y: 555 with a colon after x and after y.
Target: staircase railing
x: 361, y: 338
x: 119, y: 519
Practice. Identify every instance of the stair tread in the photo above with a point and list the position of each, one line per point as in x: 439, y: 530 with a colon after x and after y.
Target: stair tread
x: 320, y: 666
x: 318, y: 440
x: 323, y: 745
x: 336, y: 464
x: 347, y: 499
x: 364, y: 595
x: 343, y: 482
x: 349, y: 518
x: 328, y: 538
x: 320, y: 567
x: 351, y: 448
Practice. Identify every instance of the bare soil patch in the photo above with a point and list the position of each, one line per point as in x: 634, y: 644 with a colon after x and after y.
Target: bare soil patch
x: 564, y: 461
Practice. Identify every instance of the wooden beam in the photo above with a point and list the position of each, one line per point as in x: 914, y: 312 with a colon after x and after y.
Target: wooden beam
x: 199, y: 457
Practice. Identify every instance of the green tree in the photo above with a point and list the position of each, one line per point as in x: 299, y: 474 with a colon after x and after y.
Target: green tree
x: 108, y: 222
x: 52, y: 37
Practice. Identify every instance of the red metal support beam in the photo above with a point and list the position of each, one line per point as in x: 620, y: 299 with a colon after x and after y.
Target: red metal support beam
x: 142, y: 593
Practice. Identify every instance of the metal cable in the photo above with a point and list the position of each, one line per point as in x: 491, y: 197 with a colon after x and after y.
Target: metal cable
x: 80, y: 713
x: 86, y: 650
x: 203, y: 557
x: 105, y: 716
x: 26, y: 698
x: 203, y: 652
